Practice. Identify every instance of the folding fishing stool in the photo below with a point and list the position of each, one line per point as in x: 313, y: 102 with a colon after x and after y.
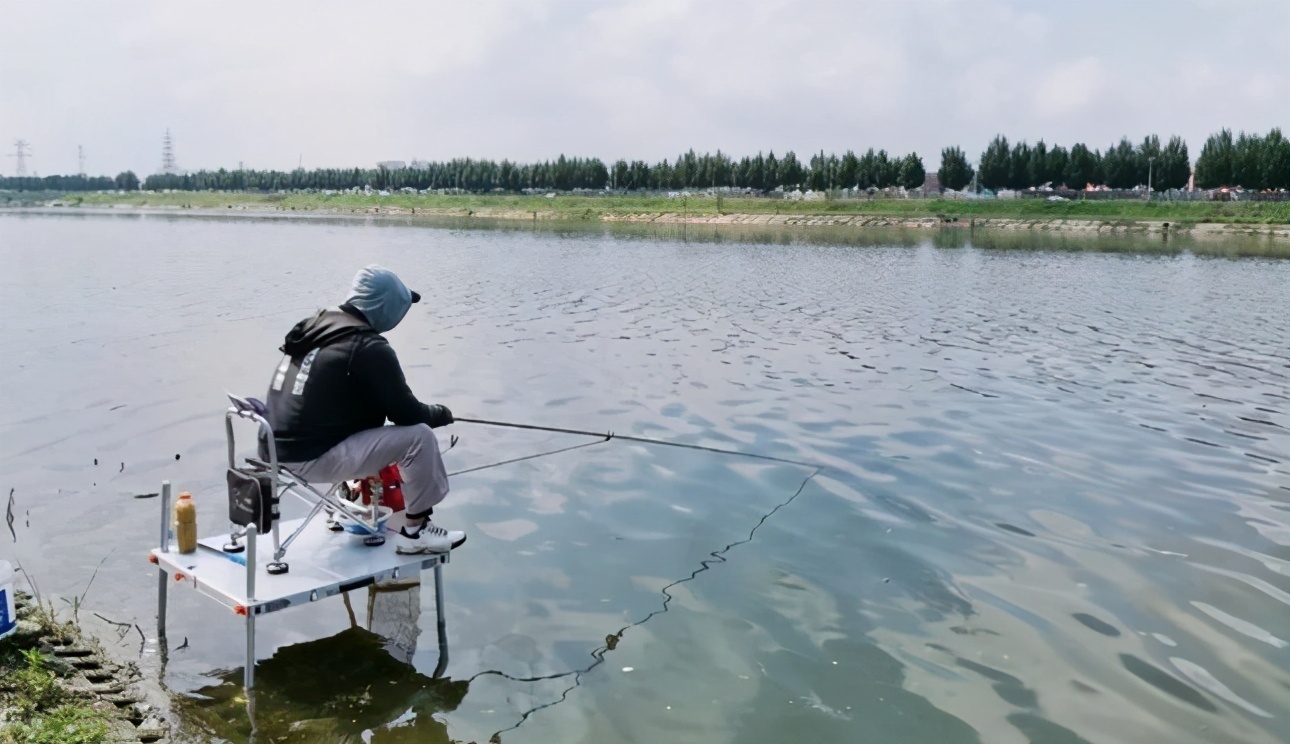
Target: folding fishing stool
x: 255, y: 493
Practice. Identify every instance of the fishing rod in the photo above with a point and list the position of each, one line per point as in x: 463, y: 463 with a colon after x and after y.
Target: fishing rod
x: 606, y: 436
x: 529, y: 457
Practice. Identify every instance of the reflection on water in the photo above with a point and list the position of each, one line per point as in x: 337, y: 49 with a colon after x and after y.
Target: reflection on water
x: 359, y: 682
x: 1255, y: 243
x: 1052, y: 505
x: 332, y: 689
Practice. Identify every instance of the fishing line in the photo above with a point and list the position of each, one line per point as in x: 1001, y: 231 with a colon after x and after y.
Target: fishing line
x: 715, y: 557
x: 606, y: 436
x: 611, y: 641
x: 529, y: 457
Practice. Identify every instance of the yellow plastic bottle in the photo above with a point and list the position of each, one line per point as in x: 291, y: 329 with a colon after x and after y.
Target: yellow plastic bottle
x: 186, y: 523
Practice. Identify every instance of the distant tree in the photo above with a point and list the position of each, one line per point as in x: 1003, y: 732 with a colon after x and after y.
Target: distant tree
x: 756, y: 177
x: 1148, y: 157
x: 849, y: 171
x: 818, y: 178
x: 772, y: 180
x: 638, y: 175
x: 1037, y: 165
x: 661, y: 175
x: 1214, y: 164
x: 1276, y: 160
x: 886, y: 170
x: 1019, y: 166
x: 954, y: 173
x: 126, y: 181
x: 868, y: 172
x: 1120, y: 165
x: 1252, y: 160
x: 56, y: 183
x: 1055, y: 166
x: 996, y: 164
x: 791, y: 173
x: 1083, y: 168
x: 1247, y: 161
x: 1174, y: 167
x: 912, y: 174
x: 593, y: 174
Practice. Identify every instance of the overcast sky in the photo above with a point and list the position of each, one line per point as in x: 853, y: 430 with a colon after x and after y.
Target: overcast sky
x: 349, y: 83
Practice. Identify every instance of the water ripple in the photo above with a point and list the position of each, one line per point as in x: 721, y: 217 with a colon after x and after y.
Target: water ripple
x: 1053, y: 503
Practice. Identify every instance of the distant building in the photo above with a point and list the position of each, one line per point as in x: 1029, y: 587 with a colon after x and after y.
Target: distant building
x: 932, y: 184
x: 419, y: 165
x: 391, y: 165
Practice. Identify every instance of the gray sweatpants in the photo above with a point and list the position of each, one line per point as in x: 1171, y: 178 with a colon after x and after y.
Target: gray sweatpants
x: 414, y: 448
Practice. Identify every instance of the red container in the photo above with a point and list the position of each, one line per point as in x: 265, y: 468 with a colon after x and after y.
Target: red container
x: 390, y: 485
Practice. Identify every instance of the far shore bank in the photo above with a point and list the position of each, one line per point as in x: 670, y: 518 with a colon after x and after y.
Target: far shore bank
x: 1193, y: 219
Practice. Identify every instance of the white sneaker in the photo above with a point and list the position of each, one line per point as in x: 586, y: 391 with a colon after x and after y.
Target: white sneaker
x: 431, y: 538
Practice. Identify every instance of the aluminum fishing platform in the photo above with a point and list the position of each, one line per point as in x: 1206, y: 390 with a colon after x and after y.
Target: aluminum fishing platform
x: 244, y: 571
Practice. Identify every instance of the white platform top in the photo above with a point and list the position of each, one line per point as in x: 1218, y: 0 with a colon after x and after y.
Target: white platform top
x: 321, y: 564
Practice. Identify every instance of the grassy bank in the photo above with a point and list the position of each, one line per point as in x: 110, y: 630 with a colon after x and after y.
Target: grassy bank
x: 37, y: 704
x: 597, y: 207
x: 56, y: 687
x: 31, y: 198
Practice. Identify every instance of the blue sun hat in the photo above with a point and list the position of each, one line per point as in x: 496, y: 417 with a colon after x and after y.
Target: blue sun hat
x: 381, y: 296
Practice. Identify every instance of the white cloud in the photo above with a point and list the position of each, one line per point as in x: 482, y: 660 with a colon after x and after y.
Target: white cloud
x: 345, y: 83
x: 1071, y: 88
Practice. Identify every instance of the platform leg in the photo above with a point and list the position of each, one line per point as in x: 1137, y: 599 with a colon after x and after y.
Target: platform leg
x: 248, y: 676
x: 440, y: 620
x: 250, y: 715
x: 163, y: 587
x: 252, y: 545
x: 163, y: 542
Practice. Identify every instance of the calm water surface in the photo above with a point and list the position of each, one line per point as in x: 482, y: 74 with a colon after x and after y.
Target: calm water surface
x: 1052, y: 503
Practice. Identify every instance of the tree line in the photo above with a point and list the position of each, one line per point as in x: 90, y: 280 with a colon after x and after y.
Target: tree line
x: 465, y: 174
x: 1251, y: 161
x: 126, y: 181
x: 1022, y: 165
x: 763, y: 172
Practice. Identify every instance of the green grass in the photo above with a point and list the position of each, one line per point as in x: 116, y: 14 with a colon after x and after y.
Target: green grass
x: 38, y: 707
x: 66, y: 724
x: 596, y: 207
x: 39, y: 710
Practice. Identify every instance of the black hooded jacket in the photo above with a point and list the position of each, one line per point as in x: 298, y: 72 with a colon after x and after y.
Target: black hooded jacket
x: 338, y: 377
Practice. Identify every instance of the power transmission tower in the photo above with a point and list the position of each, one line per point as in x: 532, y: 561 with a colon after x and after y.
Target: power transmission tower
x: 168, y: 155
x: 21, y: 151
x: 80, y: 159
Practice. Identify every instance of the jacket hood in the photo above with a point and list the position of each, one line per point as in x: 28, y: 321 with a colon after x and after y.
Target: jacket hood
x: 381, y: 297
x: 325, y: 327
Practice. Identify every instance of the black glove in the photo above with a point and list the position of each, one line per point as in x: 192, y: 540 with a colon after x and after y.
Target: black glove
x: 439, y: 416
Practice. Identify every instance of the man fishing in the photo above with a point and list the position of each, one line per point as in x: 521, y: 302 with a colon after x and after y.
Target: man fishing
x: 338, y: 383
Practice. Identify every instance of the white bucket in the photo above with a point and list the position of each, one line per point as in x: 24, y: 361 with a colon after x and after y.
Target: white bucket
x: 8, y: 620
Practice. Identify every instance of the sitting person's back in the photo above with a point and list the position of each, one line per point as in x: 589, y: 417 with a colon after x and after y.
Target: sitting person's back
x: 338, y: 382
